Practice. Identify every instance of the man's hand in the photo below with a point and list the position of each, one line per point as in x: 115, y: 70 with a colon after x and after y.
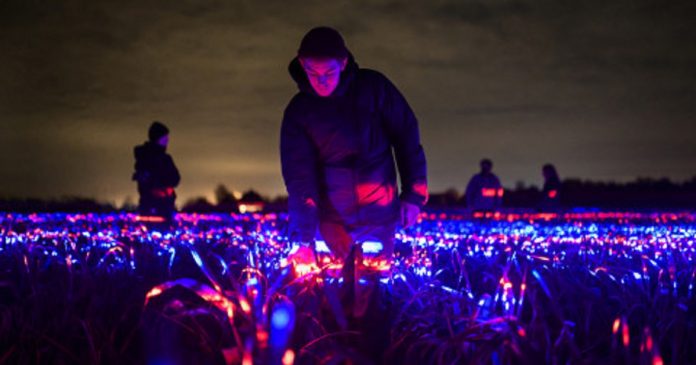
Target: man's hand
x: 409, y: 214
x: 303, y: 260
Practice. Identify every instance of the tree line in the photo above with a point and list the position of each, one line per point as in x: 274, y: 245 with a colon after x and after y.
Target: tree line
x: 642, y: 193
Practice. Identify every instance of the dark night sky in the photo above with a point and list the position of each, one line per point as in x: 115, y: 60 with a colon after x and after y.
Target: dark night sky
x: 606, y: 90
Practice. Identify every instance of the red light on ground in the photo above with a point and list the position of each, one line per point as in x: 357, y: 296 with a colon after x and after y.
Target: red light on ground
x: 625, y: 334
x: 261, y: 335
x: 148, y: 218
x: 615, y: 327
x: 288, y: 357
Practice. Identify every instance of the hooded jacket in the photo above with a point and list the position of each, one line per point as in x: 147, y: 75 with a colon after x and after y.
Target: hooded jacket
x: 338, y: 152
x: 156, y: 174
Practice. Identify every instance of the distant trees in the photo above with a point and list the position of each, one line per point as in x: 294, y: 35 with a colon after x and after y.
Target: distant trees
x: 227, y: 202
x: 448, y: 198
x: 198, y: 205
x: 129, y: 205
x: 642, y: 193
x: 70, y: 204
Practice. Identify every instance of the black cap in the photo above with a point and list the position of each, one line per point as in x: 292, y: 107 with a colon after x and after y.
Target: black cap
x: 157, y: 131
x: 323, y: 42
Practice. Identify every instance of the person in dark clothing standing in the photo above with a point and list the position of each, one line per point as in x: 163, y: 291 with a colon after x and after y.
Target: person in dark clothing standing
x: 156, y: 174
x: 483, y: 192
x: 340, y: 136
x: 551, y: 194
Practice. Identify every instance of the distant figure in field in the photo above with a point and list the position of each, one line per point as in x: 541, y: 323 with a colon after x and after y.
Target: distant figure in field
x: 156, y: 174
x: 484, y: 193
x: 552, y: 188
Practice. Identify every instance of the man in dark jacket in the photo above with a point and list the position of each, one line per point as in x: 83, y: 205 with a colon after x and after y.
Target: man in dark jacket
x: 550, y: 200
x: 156, y: 174
x: 483, y: 192
x: 339, y: 138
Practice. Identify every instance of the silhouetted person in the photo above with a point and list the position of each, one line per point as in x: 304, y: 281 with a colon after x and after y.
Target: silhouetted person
x: 156, y: 174
x: 484, y: 193
x: 551, y: 193
x: 339, y: 137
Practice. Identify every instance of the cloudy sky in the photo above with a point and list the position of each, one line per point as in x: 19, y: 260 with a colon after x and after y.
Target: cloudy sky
x: 605, y: 90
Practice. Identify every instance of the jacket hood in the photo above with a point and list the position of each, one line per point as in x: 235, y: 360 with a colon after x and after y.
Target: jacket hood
x: 300, y: 77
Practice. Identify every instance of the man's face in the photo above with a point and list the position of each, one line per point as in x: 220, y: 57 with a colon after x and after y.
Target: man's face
x: 163, y: 141
x: 323, y: 74
x: 486, y: 167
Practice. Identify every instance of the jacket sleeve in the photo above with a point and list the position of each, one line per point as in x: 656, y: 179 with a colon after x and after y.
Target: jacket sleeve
x: 402, y: 127
x: 172, y: 173
x: 299, y: 164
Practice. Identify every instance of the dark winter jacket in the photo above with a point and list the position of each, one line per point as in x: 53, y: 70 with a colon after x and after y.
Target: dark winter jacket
x: 483, y: 192
x: 157, y: 176
x: 551, y: 197
x: 337, y: 152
